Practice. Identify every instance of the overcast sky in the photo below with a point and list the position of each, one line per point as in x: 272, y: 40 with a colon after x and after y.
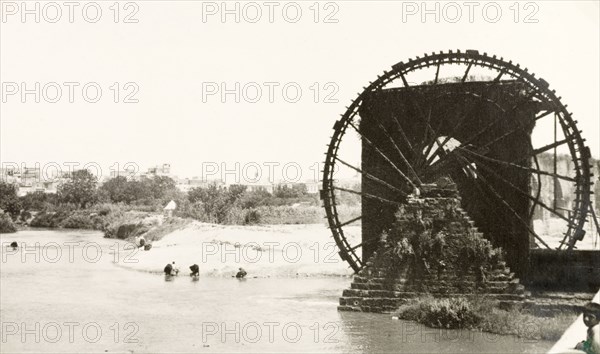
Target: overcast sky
x: 180, y: 51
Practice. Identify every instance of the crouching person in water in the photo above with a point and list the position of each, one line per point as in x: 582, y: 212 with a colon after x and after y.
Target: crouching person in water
x: 195, y: 270
x: 241, y: 273
x: 171, y: 269
x: 591, y: 318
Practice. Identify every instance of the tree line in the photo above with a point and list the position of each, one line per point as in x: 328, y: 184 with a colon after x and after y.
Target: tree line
x: 217, y: 204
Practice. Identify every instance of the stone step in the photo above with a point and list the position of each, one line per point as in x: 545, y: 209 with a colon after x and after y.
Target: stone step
x: 431, y: 287
x: 375, y: 309
x: 349, y: 308
x: 412, y: 294
x: 429, y: 282
x: 379, y: 309
x: 498, y: 275
x: 563, y: 295
x: 387, y: 294
x: 379, y: 293
x: 383, y: 301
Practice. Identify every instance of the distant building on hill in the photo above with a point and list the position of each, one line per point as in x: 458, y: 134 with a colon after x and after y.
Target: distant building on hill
x: 162, y: 170
x: 187, y: 184
x: 259, y: 186
x: 312, y: 187
x: 29, y: 179
x: 127, y: 174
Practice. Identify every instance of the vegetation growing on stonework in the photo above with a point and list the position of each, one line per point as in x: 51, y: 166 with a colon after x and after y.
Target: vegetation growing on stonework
x: 434, y: 246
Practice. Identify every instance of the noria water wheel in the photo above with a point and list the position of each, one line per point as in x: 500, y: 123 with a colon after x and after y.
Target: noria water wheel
x: 498, y: 131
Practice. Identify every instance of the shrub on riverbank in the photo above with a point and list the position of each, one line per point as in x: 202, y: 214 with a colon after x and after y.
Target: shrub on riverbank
x: 483, y: 314
x: 6, y: 224
x: 443, y: 313
x: 75, y: 219
x: 48, y: 219
x: 78, y: 221
x: 103, y: 217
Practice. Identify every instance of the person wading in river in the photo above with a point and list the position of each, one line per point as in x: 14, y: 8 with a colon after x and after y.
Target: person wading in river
x: 171, y: 269
x: 241, y: 273
x: 168, y: 269
x: 195, y: 270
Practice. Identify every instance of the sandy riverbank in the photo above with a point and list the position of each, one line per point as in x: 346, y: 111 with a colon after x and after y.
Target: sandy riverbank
x: 263, y: 251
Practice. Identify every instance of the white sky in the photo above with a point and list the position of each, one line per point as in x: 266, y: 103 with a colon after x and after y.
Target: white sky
x: 171, y: 51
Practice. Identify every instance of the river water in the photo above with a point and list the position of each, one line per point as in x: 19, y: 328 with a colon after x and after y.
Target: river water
x: 64, y: 291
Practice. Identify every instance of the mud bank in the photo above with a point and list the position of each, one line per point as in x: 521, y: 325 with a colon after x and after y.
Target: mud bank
x: 263, y: 251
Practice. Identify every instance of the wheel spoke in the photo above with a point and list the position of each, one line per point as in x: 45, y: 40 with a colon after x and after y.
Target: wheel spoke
x: 366, y: 242
x: 406, y: 140
x: 543, y: 149
x: 366, y: 195
x: 542, y: 115
x: 437, y: 74
x: 383, y: 155
x: 491, y: 170
x: 425, y: 133
x: 467, y: 71
x: 437, y: 165
x: 430, y: 145
x: 410, y: 98
x: 349, y: 221
x: 529, y: 169
x: 371, y: 177
x: 500, y: 74
x: 552, y: 146
x: 402, y: 157
x: 595, y: 218
x: 505, y: 203
x: 404, y: 80
x: 539, y: 186
x: 417, y: 107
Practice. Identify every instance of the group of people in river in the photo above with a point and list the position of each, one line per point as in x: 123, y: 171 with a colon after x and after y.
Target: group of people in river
x: 171, y: 270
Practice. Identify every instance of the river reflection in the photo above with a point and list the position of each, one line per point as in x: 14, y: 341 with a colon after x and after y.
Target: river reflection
x: 75, y: 298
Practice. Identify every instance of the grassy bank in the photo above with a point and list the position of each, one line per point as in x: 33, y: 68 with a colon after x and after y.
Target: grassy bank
x: 478, y: 313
